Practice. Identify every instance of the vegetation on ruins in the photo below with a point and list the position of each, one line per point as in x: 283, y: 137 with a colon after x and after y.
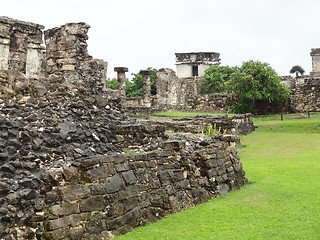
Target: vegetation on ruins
x: 256, y: 84
x: 281, y: 160
x: 213, y: 130
x: 112, y: 83
x: 297, y: 70
x: 134, y: 88
x: 215, y: 79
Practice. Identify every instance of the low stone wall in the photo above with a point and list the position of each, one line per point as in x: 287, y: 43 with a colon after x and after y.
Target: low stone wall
x: 215, y: 101
x: 103, y: 196
x: 232, y: 124
x: 306, y: 96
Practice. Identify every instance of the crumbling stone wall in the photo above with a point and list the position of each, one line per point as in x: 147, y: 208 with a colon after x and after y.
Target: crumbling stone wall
x: 68, y: 60
x: 174, y: 92
x: 232, y: 124
x: 214, y: 101
x: 67, y: 168
x: 20, y: 47
x: 306, y: 97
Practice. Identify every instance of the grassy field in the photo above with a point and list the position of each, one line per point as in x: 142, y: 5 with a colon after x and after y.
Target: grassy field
x: 282, y: 201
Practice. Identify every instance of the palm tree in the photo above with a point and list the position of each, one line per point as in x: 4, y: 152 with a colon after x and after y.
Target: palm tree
x: 297, y: 69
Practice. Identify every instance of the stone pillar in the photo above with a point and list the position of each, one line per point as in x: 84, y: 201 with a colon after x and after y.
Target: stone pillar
x: 315, y: 55
x: 121, y: 75
x: 18, y: 51
x: 146, y: 83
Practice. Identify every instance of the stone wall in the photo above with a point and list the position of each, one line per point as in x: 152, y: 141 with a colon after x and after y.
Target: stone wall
x: 20, y: 47
x: 215, y: 101
x: 68, y: 59
x: 306, y: 96
x: 232, y: 124
x: 174, y: 92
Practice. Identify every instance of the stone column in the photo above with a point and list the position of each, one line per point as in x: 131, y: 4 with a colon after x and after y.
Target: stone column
x: 146, y: 83
x: 18, y: 51
x: 121, y: 75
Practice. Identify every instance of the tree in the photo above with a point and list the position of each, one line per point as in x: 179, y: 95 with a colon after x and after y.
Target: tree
x: 297, y: 69
x: 215, y: 79
x: 134, y: 88
x: 258, y: 87
x: 112, y: 83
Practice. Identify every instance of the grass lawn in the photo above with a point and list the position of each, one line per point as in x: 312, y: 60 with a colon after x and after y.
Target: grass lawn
x: 282, y: 201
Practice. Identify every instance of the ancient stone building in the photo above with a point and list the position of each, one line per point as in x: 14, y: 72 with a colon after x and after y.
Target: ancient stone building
x: 21, y: 47
x: 195, y: 63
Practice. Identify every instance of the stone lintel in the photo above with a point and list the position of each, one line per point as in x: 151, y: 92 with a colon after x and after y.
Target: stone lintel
x: 121, y: 69
x: 315, y: 51
x: 146, y: 72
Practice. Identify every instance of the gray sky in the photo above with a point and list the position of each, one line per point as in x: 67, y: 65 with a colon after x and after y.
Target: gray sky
x: 146, y: 33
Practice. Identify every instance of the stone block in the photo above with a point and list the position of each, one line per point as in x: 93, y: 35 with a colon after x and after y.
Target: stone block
x: 93, y: 203
x: 113, y: 184
x: 65, y: 208
x: 73, y: 192
x: 129, y: 177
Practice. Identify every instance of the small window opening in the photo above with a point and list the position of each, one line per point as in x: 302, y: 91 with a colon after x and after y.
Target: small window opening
x: 194, y: 71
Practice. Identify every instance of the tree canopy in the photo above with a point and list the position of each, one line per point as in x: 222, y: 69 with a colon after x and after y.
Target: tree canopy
x: 297, y: 69
x: 112, y: 83
x: 134, y: 88
x: 256, y: 84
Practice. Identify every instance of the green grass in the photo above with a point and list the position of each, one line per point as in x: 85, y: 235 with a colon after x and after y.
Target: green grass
x: 282, y: 163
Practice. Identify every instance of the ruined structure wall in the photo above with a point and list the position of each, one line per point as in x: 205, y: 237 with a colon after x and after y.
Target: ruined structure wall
x: 66, y: 165
x: 306, y: 96
x: 121, y: 192
x: 202, y: 68
x: 4, y: 53
x: 233, y: 124
x: 33, y: 61
x: 184, y: 70
x: 214, y: 101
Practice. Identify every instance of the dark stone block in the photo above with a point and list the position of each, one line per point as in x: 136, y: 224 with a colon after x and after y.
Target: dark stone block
x: 130, y: 204
x: 93, y: 203
x: 114, y: 184
x: 129, y: 177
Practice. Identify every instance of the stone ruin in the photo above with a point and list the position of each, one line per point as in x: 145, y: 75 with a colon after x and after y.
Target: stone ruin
x: 177, y: 90
x: 72, y: 165
x: 305, y: 89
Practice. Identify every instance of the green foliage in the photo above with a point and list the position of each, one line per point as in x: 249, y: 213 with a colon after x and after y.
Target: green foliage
x: 134, y: 88
x: 215, y: 79
x: 297, y: 69
x: 256, y: 83
x: 212, y: 130
x: 112, y: 83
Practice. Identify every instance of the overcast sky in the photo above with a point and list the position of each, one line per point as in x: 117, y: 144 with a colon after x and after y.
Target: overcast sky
x: 146, y: 33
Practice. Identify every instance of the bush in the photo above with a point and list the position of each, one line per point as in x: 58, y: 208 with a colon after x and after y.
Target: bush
x: 256, y: 84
